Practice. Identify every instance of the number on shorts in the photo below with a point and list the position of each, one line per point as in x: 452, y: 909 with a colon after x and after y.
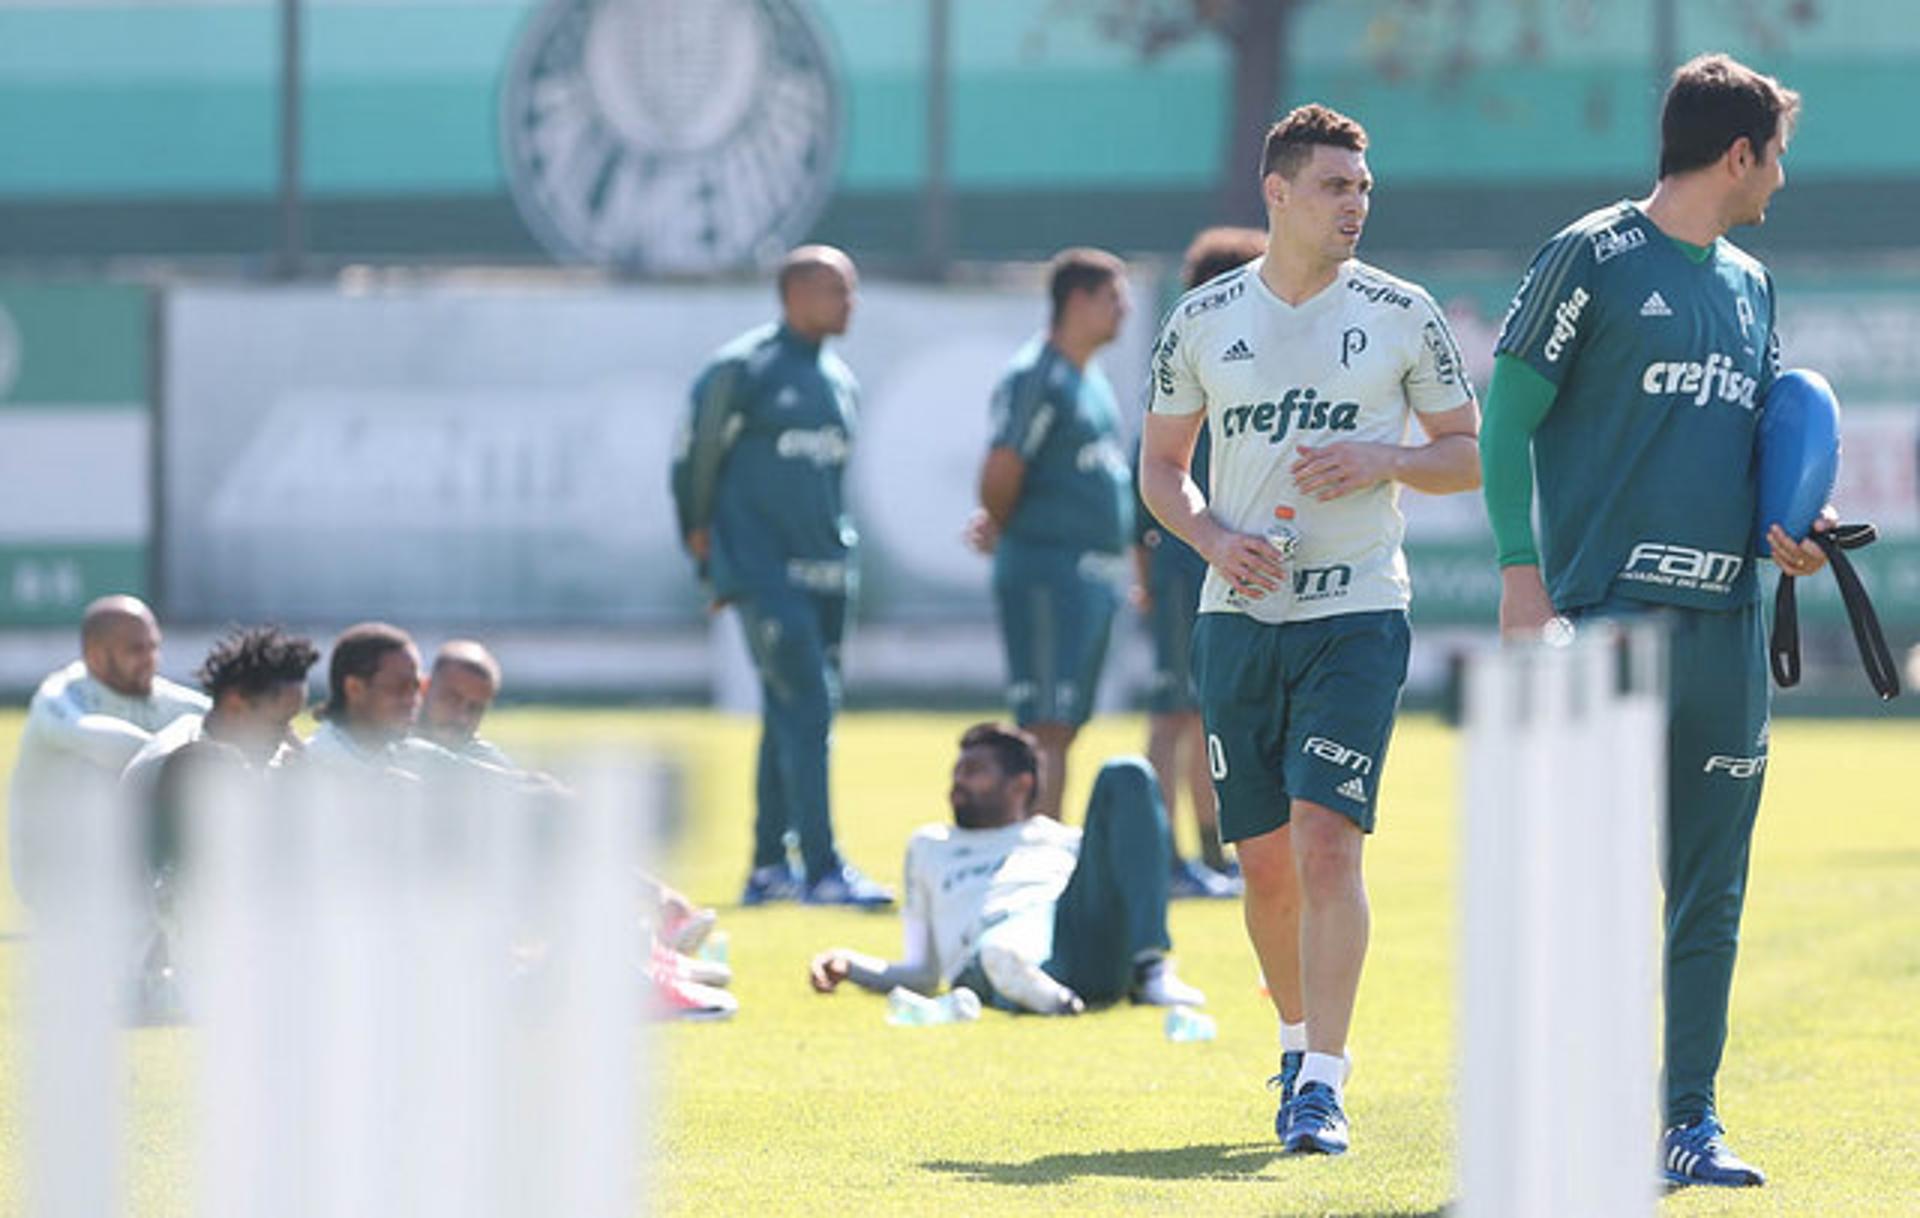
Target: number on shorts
x: 1216, y: 758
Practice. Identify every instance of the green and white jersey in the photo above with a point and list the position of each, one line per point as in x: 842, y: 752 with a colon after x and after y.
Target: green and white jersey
x: 1351, y: 363
x: 1065, y: 424
x: 1645, y: 461
x: 962, y: 884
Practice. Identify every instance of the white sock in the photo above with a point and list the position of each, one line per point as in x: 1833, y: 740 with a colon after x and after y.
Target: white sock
x: 1293, y: 1037
x: 1325, y: 1068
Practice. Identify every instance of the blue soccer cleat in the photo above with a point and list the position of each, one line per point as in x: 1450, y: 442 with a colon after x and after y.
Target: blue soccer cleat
x: 1697, y: 1153
x: 846, y: 886
x: 1315, y: 1124
x: 1290, y: 1063
x: 774, y: 882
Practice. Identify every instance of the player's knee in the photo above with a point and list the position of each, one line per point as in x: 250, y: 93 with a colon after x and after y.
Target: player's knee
x: 1327, y: 847
x: 1127, y: 786
x: 1266, y: 867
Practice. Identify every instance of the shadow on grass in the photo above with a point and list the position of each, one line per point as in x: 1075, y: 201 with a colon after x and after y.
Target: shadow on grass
x: 1212, y: 1161
x: 1207, y: 1161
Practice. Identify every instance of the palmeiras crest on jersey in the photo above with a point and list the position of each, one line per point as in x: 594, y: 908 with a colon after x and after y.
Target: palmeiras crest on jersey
x: 670, y: 136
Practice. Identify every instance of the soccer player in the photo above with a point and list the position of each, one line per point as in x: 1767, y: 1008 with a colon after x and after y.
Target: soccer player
x: 1633, y: 364
x: 757, y: 485
x: 460, y: 691
x: 1057, y: 510
x: 1305, y: 367
x: 257, y: 681
x: 1028, y: 913
x: 1169, y: 575
x: 85, y: 723
x: 373, y: 696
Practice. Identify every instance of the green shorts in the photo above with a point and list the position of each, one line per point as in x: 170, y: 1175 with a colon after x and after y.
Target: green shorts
x: 1056, y: 613
x: 1298, y: 711
x: 1176, y: 603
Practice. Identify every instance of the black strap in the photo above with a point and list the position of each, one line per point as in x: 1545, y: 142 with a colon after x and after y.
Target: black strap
x: 1867, y: 636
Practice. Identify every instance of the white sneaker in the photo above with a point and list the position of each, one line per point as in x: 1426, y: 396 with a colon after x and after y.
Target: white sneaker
x: 1025, y: 983
x: 1155, y: 984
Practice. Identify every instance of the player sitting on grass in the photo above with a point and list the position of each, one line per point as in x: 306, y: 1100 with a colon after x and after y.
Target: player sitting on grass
x: 1029, y: 913
x: 85, y: 723
x: 460, y: 691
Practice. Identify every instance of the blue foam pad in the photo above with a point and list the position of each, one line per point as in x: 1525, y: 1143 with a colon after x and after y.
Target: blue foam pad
x: 1797, y: 454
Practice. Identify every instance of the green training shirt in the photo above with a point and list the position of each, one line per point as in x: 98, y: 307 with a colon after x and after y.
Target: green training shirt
x: 761, y: 461
x: 1661, y: 363
x: 1064, y: 423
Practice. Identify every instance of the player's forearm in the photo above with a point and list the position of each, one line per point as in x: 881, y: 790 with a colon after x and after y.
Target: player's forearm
x: 1445, y: 465
x: 1177, y: 502
x: 1518, y: 400
x: 1001, y: 480
x: 880, y: 976
x: 102, y: 740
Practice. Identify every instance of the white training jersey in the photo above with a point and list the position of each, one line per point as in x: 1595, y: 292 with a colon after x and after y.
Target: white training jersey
x: 960, y: 882
x: 1350, y: 363
x: 79, y: 735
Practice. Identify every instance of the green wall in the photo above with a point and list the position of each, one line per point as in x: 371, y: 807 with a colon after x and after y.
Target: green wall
x: 150, y: 127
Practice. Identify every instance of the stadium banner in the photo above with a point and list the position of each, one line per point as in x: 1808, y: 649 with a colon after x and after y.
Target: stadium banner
x: 498, y: 455
x: 75, y: 442
x: 468, y: 453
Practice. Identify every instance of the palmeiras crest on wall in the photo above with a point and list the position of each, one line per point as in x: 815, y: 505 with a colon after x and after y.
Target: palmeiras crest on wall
x: 670, y: 136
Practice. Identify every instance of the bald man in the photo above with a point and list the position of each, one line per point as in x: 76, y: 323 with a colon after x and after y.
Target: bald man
x: 757, y: 475
x: 85, y: 724
x: 461, y: 687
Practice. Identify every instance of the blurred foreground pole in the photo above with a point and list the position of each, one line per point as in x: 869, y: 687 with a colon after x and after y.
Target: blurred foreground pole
x: 1562, y: 809
x: 292, y: 253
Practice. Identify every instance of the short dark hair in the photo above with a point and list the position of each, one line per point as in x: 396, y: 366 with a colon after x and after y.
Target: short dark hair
x: 471, y: 655
x: 1014, y: 750
x: 1081, y: 269
x: 1215, y: 251
x: 358, y: 653
x: 256, y: 660
x: 1291, y: 140
x: 1714, y: 100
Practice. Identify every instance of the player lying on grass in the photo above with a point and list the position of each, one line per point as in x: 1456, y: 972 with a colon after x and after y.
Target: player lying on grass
x: 1029, y: 913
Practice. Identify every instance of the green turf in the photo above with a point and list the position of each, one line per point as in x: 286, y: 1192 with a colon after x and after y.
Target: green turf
x: 806, y: 1104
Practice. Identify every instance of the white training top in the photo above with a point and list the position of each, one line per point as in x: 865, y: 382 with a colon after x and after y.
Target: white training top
x: 963, y: 882
x: 78, y: 737
x: 1350, y: 363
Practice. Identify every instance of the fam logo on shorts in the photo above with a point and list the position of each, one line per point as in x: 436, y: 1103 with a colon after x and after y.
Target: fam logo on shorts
x: 1678, y: 566
x: 9, y: 352
x: 664, y: 136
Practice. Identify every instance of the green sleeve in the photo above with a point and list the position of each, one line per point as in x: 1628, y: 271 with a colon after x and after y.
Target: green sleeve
x: 708, y: 433
x: 1518, y: 399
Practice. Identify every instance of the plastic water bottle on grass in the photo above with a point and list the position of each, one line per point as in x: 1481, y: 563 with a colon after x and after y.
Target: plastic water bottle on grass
x: 1186, y: 1024
x: 907, y: 1009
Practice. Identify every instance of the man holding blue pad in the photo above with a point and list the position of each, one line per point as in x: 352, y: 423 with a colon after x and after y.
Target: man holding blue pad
x: 1635, y: 363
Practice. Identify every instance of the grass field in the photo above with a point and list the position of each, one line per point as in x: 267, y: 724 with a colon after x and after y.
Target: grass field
x: 806, y: 1104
